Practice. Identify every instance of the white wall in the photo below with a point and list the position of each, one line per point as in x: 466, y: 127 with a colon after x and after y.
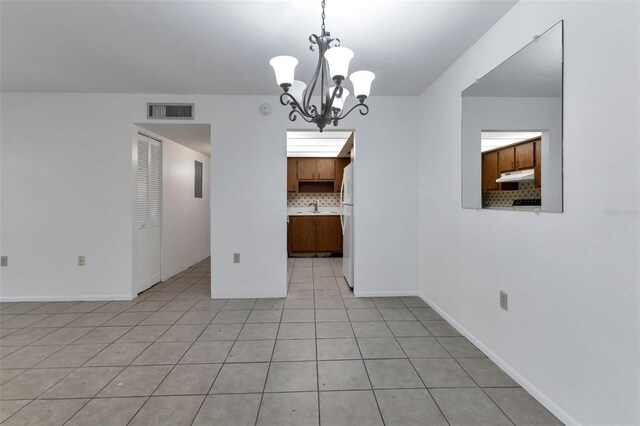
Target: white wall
x: 571, y: 335
x: 185, y: 219
x: 67, y: 178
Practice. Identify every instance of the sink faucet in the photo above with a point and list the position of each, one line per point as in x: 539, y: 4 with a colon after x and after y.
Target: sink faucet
x: 315, y: 206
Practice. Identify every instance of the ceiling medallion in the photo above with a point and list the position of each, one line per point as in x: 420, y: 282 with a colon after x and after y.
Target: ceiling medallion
x: 333, y: 62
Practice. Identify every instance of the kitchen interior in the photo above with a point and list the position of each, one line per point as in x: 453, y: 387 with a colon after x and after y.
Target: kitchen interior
x: 511, y: 170
x: 320, y: 196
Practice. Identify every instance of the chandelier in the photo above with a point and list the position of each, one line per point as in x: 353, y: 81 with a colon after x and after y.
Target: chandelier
x: 333, y: 62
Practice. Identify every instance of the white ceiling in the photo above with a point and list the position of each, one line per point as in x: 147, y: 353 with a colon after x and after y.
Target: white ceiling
x: 223, y: 47
x: 315, y: 144
x: 194, y: 136
x: 493, y: 140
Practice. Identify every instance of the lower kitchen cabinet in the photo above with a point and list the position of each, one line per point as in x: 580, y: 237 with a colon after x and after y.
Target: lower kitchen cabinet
x: 328, y: 234
x: 303, y: 234
x: 314, y: 234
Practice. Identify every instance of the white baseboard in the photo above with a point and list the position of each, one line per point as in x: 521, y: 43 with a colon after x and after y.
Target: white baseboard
x: 405, y: 293
x: 522, y: 381
x: 92, y: 298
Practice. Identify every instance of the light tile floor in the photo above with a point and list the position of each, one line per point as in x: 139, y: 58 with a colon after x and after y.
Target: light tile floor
x: 173, y: 356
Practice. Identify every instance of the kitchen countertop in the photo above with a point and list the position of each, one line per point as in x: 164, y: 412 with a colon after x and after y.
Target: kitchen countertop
x: 308, y: 211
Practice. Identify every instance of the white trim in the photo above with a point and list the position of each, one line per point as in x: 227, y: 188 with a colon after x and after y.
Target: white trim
x: 521, y: 380
x: 88, y: 298
x: 260, y: 295
x: 402, y: 293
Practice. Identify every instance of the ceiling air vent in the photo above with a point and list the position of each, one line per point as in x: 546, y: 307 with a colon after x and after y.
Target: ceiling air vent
x: 170, y: 111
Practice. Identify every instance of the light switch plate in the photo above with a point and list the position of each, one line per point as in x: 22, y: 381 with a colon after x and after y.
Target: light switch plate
x: 504, y: 301
x: 236, y: 257
x: 81, y: 261
x: 4, y: 260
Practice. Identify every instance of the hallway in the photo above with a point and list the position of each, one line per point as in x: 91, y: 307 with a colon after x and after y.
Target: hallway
x: 174, y: 356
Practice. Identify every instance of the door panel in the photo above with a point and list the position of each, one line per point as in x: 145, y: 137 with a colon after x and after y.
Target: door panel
x: 524, y: 156
x: 490, y: 171
x: 303, y: 234
x: 307, y: 169
x: 537, y: 179
x: 142, y: 215
x: 148, y: 207
x: 329, y: 234
x: 506, y: 160
x: 154, y: 211
x: 326, y: 168
x: 292, y: 177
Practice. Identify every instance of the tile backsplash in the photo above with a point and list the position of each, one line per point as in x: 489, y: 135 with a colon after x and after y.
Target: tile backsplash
x: 505, y: 198
x: 304, y: 199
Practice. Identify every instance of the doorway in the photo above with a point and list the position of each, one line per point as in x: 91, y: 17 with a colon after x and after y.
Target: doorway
x: 172, y: 225
x: 319, y: 197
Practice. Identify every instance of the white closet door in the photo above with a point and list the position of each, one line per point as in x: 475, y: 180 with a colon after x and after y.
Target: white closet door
x: 148, y: 191
x: 154, y: 211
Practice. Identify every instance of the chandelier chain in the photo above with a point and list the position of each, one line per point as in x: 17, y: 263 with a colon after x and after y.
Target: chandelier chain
x: 323, y: 16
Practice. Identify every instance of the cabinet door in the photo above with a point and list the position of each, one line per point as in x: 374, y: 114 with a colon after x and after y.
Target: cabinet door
x: 292, y: 175
x: 524, y: 156
x: 506, y: 160
x: 341, y: 163
x: 329, y: 234
x: 490, y: 171
x: 307, y: 169
x: 537, y: 151
x: 303, y: 234
x: 326, y: 169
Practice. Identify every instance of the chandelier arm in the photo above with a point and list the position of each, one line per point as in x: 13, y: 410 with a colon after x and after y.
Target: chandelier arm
x: 292, y: 115
x: 308, y: 95
x: 287, y: 99
x: 332, y: 97
x: 363, y: 111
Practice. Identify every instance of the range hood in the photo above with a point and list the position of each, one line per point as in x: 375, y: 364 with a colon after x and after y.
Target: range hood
x: 519, y: 176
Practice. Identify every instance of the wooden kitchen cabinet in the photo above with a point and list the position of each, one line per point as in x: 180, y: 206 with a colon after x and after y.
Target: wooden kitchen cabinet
x: 314, y: 234
x: 524, y: 155
x: 303, y: 234
x: 292, y: 175
x: 326, y: 169
x: 506, y: 160
x: 329, y: 234
x: 307, y: 168
x: 490, y: 171
x: 537, y: 153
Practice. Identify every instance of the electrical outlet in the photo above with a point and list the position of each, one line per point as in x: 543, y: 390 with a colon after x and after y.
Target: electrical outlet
x: 4, y: 260
x: 504, y: 301
x: 236, y: 257
x: 81, y: 261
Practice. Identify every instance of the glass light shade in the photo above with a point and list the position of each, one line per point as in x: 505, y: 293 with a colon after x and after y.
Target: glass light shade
x: 339, y: 102
x: 284, y: 66
x: 362, y: 82
x: 297, y: 90
x: 338, y: 59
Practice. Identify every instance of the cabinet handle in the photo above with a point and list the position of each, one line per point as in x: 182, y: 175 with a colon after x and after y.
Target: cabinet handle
x: 512, y: 164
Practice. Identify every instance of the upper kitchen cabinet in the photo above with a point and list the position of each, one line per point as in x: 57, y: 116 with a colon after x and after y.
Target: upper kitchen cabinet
x: 524, y: 155
x: 537, y: 151
x: 292, y: 175
x: 326, y: 169
x: 313, y: 175
x: 307, y: 168
x: 506, y: 160
x: 490, y: 171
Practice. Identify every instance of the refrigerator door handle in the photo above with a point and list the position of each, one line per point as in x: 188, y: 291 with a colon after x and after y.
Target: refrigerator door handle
x: 342, y: 192
x: 342, y: 221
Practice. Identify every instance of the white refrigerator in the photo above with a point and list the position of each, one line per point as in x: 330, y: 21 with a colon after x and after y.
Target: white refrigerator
x: 346, y: 219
